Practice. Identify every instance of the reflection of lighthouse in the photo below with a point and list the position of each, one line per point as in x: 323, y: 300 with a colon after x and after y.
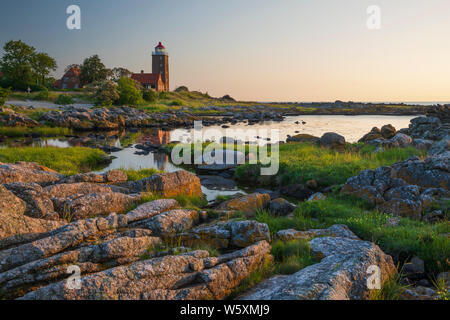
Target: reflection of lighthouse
x: 161, y: 160
x: 163, y: 137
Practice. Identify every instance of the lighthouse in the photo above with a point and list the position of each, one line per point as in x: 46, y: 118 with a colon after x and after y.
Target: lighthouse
x: 160, y: 64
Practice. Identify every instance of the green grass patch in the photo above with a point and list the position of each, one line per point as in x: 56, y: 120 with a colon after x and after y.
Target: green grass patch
x: 409, y: 238
x: 66, y: 161
x: 138, y: 174
x: 14, y: 132
x: 292, y: 256
x: 300, y: 162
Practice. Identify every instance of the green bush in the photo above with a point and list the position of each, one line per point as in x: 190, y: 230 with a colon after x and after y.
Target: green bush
x: 149, y: 95
x: 176, y: 103
x: 42, y: 95
x: 64, y: 99
x: 106, y: 93
x: 129, y: 92
x: 4, y: 93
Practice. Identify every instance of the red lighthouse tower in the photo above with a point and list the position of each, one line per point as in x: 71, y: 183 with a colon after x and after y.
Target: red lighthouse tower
x: 160, y: 64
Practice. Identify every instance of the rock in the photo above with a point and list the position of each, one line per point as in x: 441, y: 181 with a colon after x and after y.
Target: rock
x: 332, y: 140
x: 38, y: 202
x: 402, y: 140
x: 151, y: 209
x: 297, y: 191
x: 272, y: 194
x: 317, y: 196
x: 226, y: 235
x: 406, y: 188
x: 312, y: 184
x: 27, y: 172
x: 217, y: 183
x: 341, y: 275
x: 388, y: 131
x: 171, y: 184
x: 422, y: 144
x: 75, y: 190
x: 374, y: 134
x: 62, y: 238
x: 281, y: 207
x: 189, y: 276
x: 337, y: 230
x: 94, y: 204
x: 169, y: 223
x: 441, y: 146
x: 414, y: 269
x: 247, y: 204
x: 419, y: 293
x: 13, y: 222
x: 300, y: 138
x: 444, y: 277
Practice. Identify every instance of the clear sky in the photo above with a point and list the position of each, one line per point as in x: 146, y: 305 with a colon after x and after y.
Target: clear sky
x: 262, y: 50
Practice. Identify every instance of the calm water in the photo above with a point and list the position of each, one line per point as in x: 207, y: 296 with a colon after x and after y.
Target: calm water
x: 351, y: 127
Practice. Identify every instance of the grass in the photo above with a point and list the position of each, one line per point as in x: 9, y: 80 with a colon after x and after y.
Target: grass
x: 138, y: 174
x: 409, y: 238
x: 392, y: 289
x: 67, y: 161
x: 14, y: 132
x: 300, y: 162
x: 292, y: 256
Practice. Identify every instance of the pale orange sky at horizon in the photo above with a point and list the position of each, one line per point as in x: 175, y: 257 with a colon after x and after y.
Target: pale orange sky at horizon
x: 258, y: 50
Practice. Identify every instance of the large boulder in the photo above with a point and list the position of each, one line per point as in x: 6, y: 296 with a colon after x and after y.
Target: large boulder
x: 171, y: 184
x: 281, y: 207
x: 303, y: 138
x: 332, y: 140
x: 27, y: 172
x: 374, y: 134
x: 297, y: 191
x: 247, y: 204
x: 113, y: 176
x: 388, y: 131
x: 169, y: 223
x: 13, y: 221
x: 343, y: 273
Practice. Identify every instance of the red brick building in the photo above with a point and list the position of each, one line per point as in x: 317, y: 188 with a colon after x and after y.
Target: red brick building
x: 70, y: 80
x: 159, y: 78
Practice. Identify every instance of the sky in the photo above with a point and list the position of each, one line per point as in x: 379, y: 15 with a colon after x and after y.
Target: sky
x: 258, y: 50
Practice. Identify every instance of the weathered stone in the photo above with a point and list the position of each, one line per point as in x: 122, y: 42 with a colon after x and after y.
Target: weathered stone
x: 332, y: 140
x: 171, y: 184
x: 281, y: 207
x: 303, y: 138
x: 150, y: 209
x: 341, y: 275
x: 14, y: 222
x: 297, y: 191
x: 169, y: 223
x: 337, y: 230
x: 388, y: 131
x: 415, y: 268
x: 94, y: 204
x: 247, y: 204
x: 27, y: 172
x: 75, y: 190
x: 189, y: 276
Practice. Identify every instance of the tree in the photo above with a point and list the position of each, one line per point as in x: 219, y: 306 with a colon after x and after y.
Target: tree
x: 16, y: 64
x: 106, y: 93
x: 42, y: 64
x: 129, y: 91
x: 93, y: 70
x: 149, y: 95
x: 4, y: 93
x: 119, y: 72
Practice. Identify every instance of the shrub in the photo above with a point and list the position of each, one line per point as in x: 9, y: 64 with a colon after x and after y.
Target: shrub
x: 106, y: 93
x: 42, y: 95
x: 176, y: 103
x: 64, y: 99
x: 4, y: 93
x: 149, y: 95
x: 129, y: 92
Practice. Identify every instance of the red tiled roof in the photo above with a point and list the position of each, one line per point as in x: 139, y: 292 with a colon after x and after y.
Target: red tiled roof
x: 160, y: 46
x: 146, y: 78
